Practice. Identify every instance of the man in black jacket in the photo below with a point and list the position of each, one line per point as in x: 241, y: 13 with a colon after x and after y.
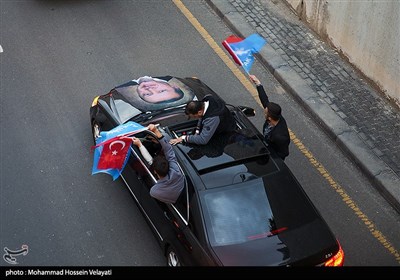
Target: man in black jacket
x: 214, y: 118
x: 275, y: 130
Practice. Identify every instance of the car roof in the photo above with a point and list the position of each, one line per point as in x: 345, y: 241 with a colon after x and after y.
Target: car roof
x: 227, y: 159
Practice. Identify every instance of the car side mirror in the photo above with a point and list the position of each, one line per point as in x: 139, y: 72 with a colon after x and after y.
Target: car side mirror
x: 248, y: 111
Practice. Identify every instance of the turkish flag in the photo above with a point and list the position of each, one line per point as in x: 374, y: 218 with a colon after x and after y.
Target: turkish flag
x: 114, y: 153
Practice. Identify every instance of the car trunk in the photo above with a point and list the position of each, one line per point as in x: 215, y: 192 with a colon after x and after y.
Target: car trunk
x: 309, y: 245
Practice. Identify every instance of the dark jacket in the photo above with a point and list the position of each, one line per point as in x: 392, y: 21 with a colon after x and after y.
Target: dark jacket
x: 216, y: 120
x: 279, y: 139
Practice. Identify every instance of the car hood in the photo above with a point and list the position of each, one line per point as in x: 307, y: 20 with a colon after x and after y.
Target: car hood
x: 125, y: 102
x: 300, y: 246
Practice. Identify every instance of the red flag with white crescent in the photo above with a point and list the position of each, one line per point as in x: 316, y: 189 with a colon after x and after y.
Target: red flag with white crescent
x: 114, y: 153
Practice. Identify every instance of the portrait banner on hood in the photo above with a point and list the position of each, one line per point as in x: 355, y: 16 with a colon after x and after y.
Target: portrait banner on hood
x: 155, y: 93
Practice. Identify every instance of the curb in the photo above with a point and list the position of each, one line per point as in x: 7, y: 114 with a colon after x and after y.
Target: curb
x: 383, y: 178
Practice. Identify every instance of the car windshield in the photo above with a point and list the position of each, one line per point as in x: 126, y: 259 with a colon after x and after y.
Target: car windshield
x: 125, y: 110
x: 245, y: 211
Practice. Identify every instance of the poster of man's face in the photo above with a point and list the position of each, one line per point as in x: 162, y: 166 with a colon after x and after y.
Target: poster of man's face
x: 154, y: 93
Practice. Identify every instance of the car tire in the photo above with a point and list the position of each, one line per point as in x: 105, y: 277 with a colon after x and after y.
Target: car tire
x: 172, y: 257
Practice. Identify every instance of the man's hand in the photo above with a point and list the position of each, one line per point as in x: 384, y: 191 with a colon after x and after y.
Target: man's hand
x: 136, y: 142
x: 176, y: 141
x: 154, y: 129
x: 255, y: 80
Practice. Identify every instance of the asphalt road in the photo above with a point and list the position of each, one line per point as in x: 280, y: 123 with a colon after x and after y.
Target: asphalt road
x: 58, y: 55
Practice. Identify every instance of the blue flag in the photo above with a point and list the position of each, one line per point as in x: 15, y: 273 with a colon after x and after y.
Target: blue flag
x: 112, y: 151
x: 242, y: 50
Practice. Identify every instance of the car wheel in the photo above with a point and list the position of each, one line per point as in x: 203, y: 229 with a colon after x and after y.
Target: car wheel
x: 95, y: 131
x: 172, y: 257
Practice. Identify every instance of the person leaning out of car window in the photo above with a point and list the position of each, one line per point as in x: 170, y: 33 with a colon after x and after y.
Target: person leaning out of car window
x: 213, y: 118
x: 275, y: 129
x: 170, y: 181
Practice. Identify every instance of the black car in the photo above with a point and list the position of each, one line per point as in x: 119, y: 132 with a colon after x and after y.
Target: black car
x: 241, y: 205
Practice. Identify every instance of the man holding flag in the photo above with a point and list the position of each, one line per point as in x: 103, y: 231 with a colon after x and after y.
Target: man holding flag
x: 112, y: 152
x: 170, y: 181
x: 275, y: 129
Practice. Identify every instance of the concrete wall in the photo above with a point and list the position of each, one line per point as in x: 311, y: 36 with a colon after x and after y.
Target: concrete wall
x: 366, y: 32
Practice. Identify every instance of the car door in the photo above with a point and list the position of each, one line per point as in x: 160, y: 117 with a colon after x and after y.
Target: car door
x: 185, y: 218
x: 137, y: 173
x: 167, y: 222
x: 157, y: 213
x: 139, y: 178
x: 170, y: 222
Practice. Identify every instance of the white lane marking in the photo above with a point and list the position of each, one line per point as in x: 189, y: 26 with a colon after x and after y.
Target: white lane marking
x: 1, y: 49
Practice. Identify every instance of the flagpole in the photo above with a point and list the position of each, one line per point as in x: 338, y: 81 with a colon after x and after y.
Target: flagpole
x: 120, y: 136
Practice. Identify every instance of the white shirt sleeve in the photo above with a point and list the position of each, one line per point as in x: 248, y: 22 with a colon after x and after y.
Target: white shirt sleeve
x: 146, y: 154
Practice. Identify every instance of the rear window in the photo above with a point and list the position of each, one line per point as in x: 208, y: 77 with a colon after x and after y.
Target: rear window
x: 237, y: 214
x: 255, y: 209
